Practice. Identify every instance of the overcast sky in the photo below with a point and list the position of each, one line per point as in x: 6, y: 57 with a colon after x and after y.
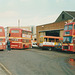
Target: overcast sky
x: 32, y: 12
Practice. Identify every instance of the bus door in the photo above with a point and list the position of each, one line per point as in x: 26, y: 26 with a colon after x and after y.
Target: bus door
x: 41, y: 41
x: 74, y: 43
x: 56, y: 43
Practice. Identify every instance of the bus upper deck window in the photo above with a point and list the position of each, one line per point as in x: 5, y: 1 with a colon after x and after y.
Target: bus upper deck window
x: 65, y: 28
x: 70, y: 27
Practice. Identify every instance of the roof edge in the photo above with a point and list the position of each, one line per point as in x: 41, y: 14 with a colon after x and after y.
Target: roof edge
x: 68, y: 13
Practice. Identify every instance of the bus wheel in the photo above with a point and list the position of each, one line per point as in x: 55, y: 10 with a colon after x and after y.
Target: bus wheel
x: 49, y: 48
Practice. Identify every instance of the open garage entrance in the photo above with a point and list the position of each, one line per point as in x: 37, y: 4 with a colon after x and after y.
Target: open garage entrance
x: 53, y: 33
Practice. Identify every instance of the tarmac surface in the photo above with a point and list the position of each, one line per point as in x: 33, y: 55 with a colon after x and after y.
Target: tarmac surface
x: 37, y: 62
x: 2, y: 72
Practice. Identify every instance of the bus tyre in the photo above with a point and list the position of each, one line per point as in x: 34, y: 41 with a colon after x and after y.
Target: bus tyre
x: 49, y: 48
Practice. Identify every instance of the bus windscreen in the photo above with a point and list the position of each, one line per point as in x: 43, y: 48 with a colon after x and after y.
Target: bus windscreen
x: 67, y: 39
x: 68, y: 27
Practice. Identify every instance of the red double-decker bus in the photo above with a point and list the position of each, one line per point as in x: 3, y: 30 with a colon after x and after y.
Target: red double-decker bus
x: 2, y: 39
x: 69, y: 37
x: 20, y: 38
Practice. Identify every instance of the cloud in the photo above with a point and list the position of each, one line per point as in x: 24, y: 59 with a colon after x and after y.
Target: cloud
x: 38, y: 20
x: 8, y: 14
x: 25, y: 21
x: 8, y: 18
x: 48, y: 19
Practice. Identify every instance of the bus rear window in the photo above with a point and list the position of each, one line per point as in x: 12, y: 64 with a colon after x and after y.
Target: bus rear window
x: 15, y: 31
x: 0, y: 30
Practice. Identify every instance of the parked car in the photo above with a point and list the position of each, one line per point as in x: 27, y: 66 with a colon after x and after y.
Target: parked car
x: 34, y: 45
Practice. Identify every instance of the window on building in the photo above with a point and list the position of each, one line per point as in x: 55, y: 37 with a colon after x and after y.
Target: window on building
x: 63, y: 16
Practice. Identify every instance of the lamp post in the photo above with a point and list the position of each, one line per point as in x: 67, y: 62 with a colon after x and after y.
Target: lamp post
x: 18, y: 22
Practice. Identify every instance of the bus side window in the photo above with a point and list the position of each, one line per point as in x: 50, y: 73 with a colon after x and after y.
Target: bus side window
x: 57, y: 40
x: 45, y: 39
x: 51, y: 40
x: 74, y: 27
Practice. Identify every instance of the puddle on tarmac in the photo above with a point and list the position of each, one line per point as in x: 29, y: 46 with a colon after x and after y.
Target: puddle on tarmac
x: 71, y: 61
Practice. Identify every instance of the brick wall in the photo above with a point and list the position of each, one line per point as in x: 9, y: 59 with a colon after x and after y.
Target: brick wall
x: 52, y: 26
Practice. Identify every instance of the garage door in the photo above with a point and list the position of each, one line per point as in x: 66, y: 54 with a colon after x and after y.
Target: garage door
x: 53, y: 33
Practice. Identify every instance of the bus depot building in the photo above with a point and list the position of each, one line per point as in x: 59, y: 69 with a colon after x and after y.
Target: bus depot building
x: 56, y: 28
